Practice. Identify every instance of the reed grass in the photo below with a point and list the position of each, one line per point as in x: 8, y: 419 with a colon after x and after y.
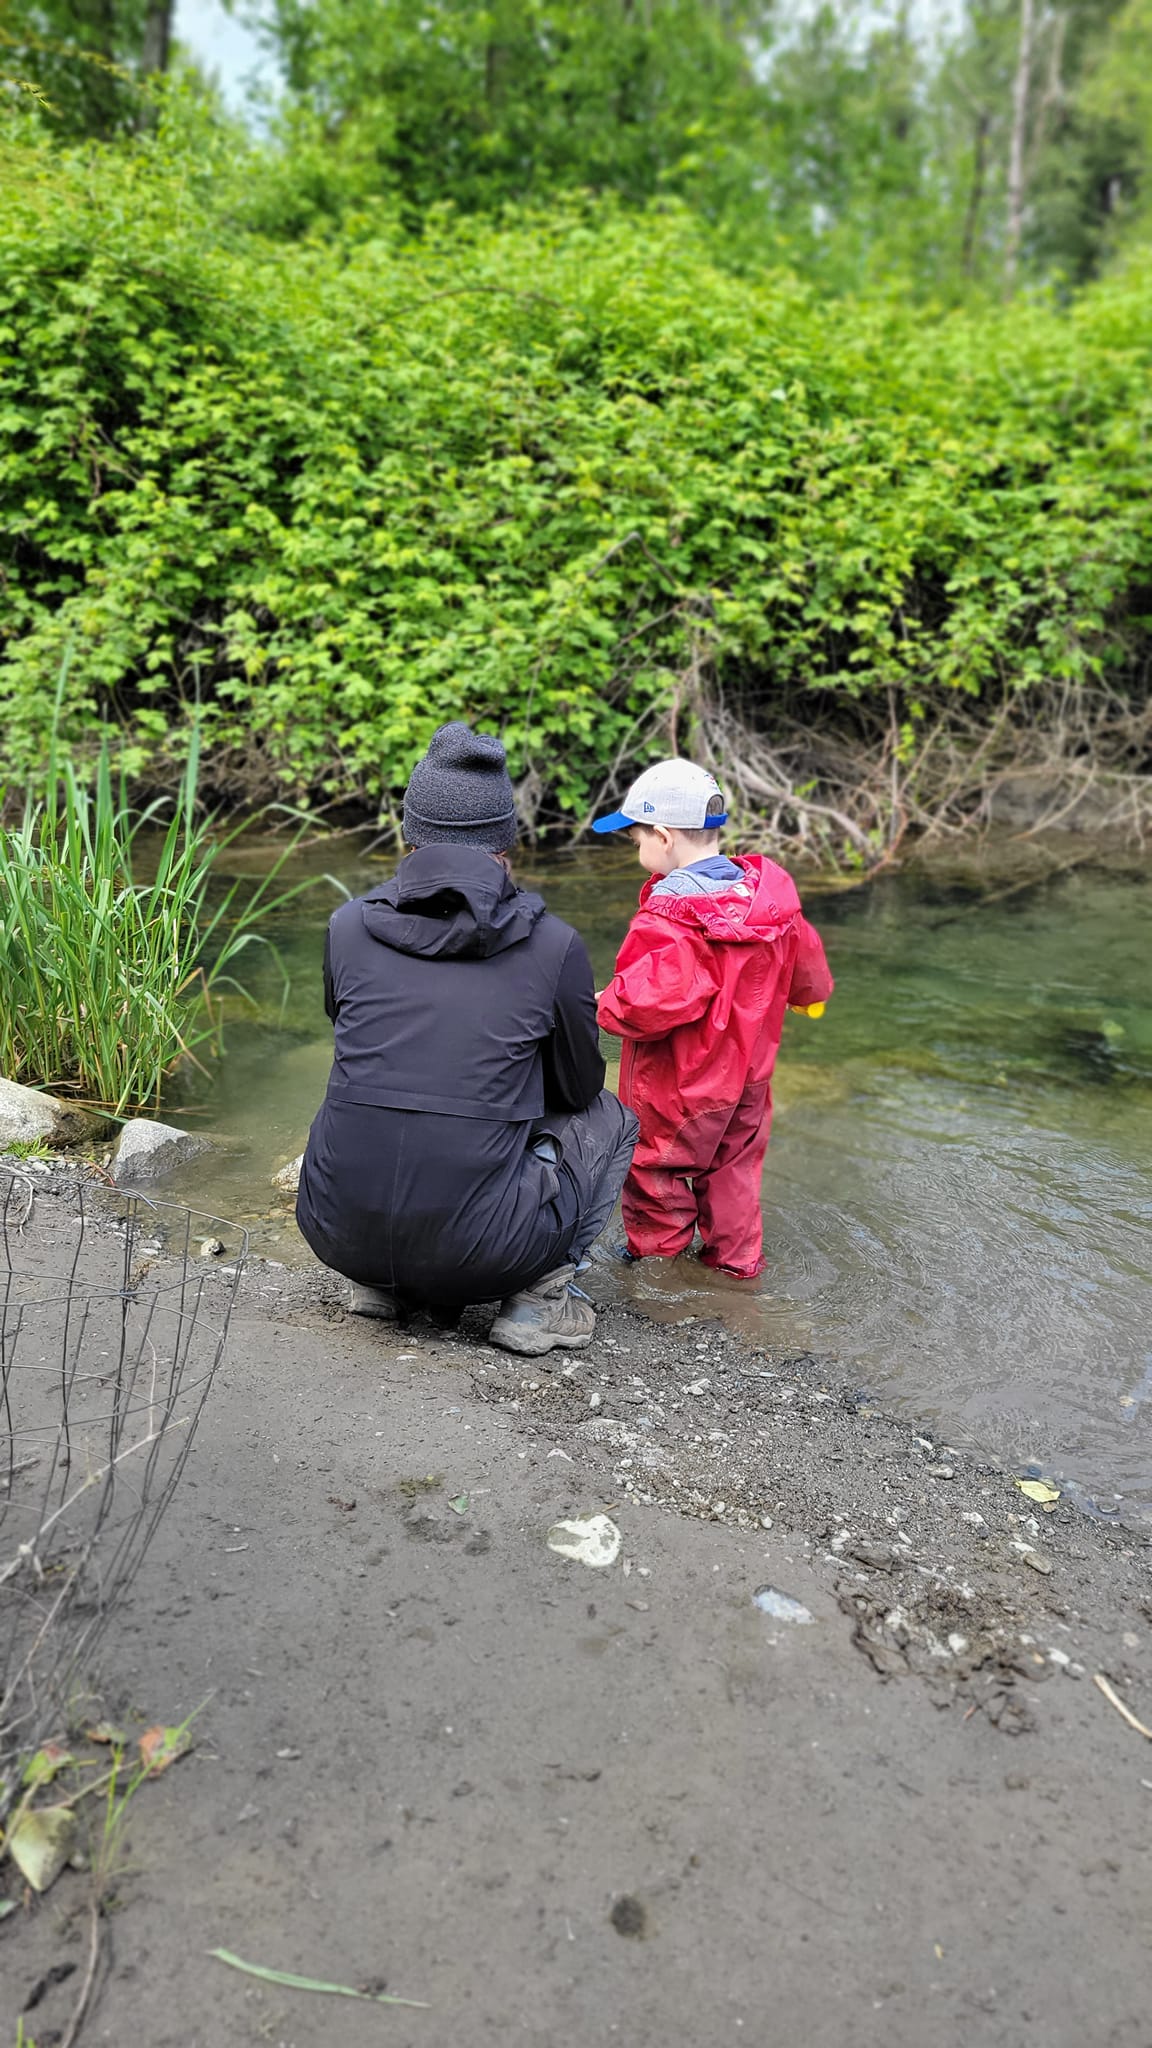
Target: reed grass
x: 115, y: 952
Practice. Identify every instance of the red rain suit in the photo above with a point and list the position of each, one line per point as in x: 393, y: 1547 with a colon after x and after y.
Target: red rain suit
x: 698, y: 996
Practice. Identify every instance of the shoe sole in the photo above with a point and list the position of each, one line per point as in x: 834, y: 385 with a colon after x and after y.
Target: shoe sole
x: 376, y: 1315
x: 535, y: 1344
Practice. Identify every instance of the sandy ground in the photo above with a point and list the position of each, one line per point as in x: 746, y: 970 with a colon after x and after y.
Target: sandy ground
x: 566, y: 1805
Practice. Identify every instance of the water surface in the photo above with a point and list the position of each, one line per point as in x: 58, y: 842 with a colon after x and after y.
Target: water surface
x: 957, y: 1193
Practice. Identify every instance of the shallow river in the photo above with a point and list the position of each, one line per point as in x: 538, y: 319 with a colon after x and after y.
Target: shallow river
x: 957, y: 1194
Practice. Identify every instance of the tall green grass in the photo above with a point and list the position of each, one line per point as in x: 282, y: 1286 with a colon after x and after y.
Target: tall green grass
x: 114, y: 950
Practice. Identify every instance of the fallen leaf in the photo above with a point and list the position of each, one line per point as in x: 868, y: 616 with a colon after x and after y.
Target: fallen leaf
x: 107, y: 1731
x: 43, y: 1767
x: 160, y: 1747
x: 223, y: 1955
x: 1039, y: 1490
x: 41, y: 1843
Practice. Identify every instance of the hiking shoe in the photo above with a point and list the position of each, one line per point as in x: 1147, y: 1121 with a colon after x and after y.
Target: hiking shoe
x: 550, y: 1313
x: 379, y: 1302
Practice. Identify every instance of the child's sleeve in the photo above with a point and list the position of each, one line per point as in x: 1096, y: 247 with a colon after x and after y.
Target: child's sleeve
x: 664, y: 977
x: 811, y: 981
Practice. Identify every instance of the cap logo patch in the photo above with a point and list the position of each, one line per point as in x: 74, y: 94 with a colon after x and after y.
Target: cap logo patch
x: 649, y: 807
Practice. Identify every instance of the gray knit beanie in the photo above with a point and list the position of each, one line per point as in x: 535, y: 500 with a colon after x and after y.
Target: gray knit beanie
x: 460, y: 794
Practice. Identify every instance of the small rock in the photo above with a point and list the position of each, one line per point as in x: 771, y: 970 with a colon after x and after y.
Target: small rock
x: 1037, y: 1563
x: 595, y: 1399
x: 212, y: 1248
x: 941, y: 1471
x: 586, y: 1539
x: 288, y: 1177
x: 146, y: 1151
x: 781, y: 1606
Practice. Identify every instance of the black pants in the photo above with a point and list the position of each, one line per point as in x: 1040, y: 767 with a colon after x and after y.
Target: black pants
x: 592, y: 1148
x: 567, y: 1182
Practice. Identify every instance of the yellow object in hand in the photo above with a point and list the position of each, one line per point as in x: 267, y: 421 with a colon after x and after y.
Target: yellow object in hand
x: 808, y: 1009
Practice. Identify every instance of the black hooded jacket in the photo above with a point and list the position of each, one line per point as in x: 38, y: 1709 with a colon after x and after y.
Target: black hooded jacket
x: 464, y: 1014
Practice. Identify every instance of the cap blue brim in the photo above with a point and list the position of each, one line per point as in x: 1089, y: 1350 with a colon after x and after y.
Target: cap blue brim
x: 620, y: 821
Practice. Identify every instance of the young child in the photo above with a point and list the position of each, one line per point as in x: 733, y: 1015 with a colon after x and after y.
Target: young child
x: 716, y: 952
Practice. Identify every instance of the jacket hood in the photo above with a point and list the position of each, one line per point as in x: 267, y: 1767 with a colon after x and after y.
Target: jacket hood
x: 757, y: 910
x: 450, y: 902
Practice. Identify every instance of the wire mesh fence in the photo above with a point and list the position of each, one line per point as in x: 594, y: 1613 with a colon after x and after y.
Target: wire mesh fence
x: 112, y: 1324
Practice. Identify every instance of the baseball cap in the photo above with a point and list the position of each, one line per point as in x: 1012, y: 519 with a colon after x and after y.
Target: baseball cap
x: 673, y: 793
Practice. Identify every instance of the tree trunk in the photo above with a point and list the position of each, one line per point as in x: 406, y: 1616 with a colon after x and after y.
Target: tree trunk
x: 1052, y: 98
x: 1016, y: 180
x: 157, y: 45
x: 975, y: 192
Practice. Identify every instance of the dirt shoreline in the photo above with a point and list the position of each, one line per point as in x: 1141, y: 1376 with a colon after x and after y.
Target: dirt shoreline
x: 572, y: 1805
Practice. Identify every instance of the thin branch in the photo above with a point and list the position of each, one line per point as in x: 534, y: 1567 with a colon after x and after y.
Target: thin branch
x: 72, y: 2032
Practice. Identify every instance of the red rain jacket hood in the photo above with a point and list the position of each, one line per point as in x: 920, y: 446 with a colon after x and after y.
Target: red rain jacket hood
x: 701, y: 987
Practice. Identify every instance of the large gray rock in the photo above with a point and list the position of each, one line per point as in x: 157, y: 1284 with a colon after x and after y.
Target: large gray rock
x: 146, y: 1151
x: 27, y: 1114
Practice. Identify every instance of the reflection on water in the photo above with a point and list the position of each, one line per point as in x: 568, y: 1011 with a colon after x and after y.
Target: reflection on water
x: 957, y: 1195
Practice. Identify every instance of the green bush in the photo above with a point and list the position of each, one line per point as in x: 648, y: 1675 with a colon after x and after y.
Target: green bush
x: 544, y: 473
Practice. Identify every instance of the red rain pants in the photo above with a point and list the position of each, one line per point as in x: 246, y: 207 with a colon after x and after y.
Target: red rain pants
x: 704, y: 1176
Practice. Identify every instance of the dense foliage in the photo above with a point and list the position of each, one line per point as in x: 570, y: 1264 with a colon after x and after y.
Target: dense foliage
x: 557, y: 473
x: 85, y: 62
x: 951, y: 145
x: 482, y: 104
x: 954, y: 146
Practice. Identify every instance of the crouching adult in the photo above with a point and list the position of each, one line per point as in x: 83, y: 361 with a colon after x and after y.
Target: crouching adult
x: 466, y: 1149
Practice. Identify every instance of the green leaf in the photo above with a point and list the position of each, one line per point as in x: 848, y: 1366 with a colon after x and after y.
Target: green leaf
x: 40, y: 1843
x: 294, y: 1983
